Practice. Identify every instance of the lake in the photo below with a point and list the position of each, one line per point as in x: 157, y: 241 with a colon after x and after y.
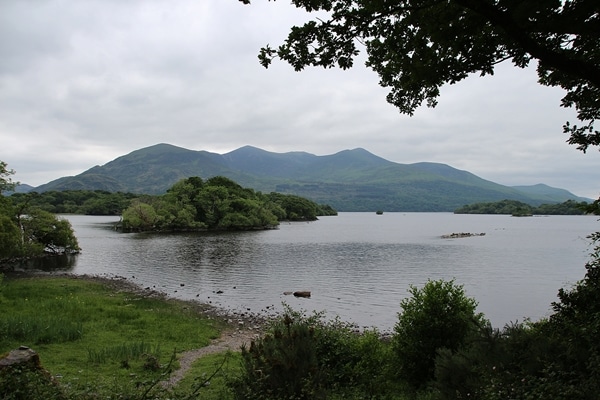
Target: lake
x: 358, y: 266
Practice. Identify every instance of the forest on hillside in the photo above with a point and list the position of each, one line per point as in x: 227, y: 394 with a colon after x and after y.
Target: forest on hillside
x: 518, y: 208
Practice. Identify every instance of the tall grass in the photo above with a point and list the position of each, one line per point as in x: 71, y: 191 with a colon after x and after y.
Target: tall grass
x: 123, y: 352
x: 40, y: 329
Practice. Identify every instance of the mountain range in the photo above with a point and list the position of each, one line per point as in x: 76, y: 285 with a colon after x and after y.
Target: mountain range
x: 350, y: 180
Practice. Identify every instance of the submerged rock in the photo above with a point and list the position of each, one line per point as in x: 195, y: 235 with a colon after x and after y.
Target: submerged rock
x: 303, y: 293
x: 461, y: 235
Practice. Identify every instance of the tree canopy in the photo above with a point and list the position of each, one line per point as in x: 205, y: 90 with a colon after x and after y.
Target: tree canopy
x: 6, y: 183
x: 28, y: 231
x: 438, y: 315
x: 569, y: 207
x: 416, y: 46
x: 217, y: 203
x: 88, y: 202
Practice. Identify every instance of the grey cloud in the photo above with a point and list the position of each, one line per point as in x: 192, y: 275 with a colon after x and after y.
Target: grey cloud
x: 86, y: 81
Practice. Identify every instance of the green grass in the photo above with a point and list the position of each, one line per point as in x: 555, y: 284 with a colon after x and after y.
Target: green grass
x: 219, y: 369
x: 95, y: 339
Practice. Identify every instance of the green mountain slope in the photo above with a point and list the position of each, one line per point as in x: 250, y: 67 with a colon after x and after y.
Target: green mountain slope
x: 549, y: 194
x: 351, y: 180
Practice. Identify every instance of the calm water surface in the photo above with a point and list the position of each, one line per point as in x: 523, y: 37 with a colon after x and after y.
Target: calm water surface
x: 357, y: 265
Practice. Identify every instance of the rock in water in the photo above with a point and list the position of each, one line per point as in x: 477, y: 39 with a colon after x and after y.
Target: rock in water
x: 303, y: 293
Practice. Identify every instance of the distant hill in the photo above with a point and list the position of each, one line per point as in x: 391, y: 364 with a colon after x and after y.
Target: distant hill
x: 21, y: 188
x: 350, y: 180
x: 544, y: 191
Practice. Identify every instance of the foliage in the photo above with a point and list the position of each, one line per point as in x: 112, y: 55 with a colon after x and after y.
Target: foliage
x: 417, y: 46
x: 437, y: 316
x: 307, y: 358
x: 10, y: 238
x: 27, y: 231
x: 569, y: 207
x: 295, y: 207
x: 593, y: 208
x: 281, y: 365
x: 54, y: 234
x: 28, y: 383
x: 217, y: 203
x: 6, y: 183
x: 575, y: 326
x: 89, y: 202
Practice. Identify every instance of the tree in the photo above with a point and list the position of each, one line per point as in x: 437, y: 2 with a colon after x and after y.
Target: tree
x: 52, y: 234
x: 416, y: 46
x: 140, y: 215
x: 192, y: 204
x: 437, y: 316
x: 6, y: 183
x: 10, y: 238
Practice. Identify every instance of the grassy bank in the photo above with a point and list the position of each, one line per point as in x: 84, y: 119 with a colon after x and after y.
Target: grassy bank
x: 98, y: 338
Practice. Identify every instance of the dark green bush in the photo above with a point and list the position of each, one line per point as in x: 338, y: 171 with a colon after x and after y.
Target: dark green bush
x: 282, y: 364
x: 309, y: 358
x: 437, y: 316
x: 28, y: 383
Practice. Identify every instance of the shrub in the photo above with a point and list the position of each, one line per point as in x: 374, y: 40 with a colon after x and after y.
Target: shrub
x: 28, y: 383
x: 282, y: 364
x: 438, y: 316
x: 307, y: 358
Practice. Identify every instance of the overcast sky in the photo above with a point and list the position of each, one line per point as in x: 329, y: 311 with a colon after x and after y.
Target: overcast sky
x: 83, y: 82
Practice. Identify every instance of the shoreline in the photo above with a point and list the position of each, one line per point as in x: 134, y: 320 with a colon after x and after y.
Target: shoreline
x: 234, y: 320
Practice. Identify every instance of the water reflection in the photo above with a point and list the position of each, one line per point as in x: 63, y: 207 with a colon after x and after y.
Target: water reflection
x: 49, y: 263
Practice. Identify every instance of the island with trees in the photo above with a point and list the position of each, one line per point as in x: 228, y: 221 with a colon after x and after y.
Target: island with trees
x: 217, y: 203
x: 518, y: 208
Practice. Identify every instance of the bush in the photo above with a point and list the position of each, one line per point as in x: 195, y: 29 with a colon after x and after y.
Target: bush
x: 25, y: 382
x: 438, y: 316
x: 282, y: 364
x: 307, y: 358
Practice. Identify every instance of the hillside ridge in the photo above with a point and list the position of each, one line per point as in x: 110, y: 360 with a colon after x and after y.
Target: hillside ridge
x: 349, y: 180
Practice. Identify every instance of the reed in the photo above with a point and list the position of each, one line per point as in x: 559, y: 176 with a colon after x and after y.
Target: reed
x: 40, y: 329
x: 123, y: 352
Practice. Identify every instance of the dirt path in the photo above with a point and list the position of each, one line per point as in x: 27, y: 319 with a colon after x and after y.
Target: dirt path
x: 229, y: 340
